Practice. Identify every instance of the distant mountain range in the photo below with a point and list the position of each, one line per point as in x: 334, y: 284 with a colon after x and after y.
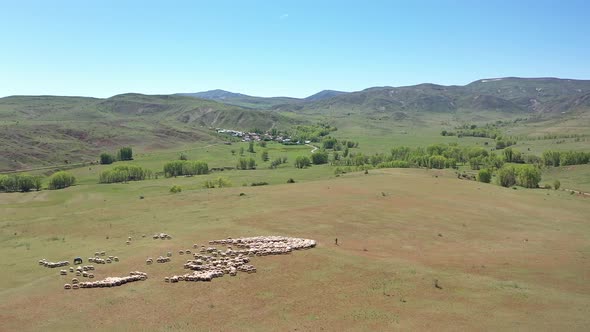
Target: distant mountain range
x: 510, y: 94
x: 243, y: 100
x: 42, y: 130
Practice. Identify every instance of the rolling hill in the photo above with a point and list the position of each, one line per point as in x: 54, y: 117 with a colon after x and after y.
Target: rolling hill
x: 47, y: 130
x: 545, y: 96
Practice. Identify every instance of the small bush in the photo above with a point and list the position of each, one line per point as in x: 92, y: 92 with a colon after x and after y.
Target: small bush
x: 290, y: 180
x: 261, y: 183
x: 302, y: 162
x: 219, y: 182
x: 106, y: 159
x: 61, y: 180
x: 484, y: 175
x: 175, y: 189
x: 556, y: 184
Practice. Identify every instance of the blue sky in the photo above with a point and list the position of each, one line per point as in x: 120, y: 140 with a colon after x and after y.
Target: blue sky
x: 289, y: 48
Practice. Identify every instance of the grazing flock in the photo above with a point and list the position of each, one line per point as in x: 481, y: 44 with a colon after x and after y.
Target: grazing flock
x: 207, y: 263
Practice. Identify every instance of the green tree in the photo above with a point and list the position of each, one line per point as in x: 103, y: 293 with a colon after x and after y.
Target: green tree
x: 508, y: 153
x: 484, y: 175
x: 61, y: 180
x: 106, y: 158
x: 506, y: 176
x: 264, y: 156
x: 551, y: 158
x: 319, y: 157
x: 37, y: 182
x: 556, y: 184
x: 329, y: 143
x: 175, y: 189
x: 528, y: 176
x: 25, y: 182
x: 302, y: 162
x: 251, y: 147
x: 125, y: 153
x: 241, y: 151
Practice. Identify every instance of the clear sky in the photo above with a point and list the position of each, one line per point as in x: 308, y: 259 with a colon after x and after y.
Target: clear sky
x: 290, y: 48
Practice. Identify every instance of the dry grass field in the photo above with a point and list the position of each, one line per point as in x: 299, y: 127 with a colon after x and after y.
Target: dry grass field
x: 505, y: 259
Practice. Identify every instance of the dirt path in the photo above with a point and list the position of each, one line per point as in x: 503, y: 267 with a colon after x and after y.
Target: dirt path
x: 577, y: 192
x: 315, y: 148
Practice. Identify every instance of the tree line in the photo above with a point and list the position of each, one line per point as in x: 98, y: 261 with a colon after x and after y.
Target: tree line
x: 27, y: 182
x: 124, y: 153
x: 124, y: 173
x: 185, y: 167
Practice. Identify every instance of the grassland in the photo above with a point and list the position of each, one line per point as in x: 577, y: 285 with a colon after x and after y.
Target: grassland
x: 506, y: 259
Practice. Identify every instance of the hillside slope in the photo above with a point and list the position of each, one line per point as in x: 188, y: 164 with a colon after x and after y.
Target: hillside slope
x: 46, y: 130
x: 543, y: 96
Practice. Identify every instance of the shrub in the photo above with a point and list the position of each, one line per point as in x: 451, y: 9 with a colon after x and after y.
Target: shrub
x: 302, y: 162
x: 61, y: 180
x: 182, y: 157
x: 219, y: 182
x: 484, y: 175
x: 290, y: 180
x: 319, y: 157
x: 125, y: 153
x: 261, y: 183
x: 556, y: 184
x: 175, y: 189
x: 507, y: 176
x: 246, y: 163
x: 528, y: 176
x: 106, y: 158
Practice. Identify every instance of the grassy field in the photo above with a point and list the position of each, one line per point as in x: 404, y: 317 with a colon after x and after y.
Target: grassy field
x: 505, y: 259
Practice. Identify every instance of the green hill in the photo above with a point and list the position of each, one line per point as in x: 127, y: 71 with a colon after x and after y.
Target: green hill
x: 47, y: 130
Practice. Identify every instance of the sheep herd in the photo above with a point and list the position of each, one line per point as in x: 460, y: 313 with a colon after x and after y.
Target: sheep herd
x: 214, y: 263
x: 207, y: 262
x: 108, y: 281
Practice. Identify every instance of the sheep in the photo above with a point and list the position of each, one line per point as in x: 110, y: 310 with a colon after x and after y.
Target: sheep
x: 71, y: 269
x: 195, y: 246
x: 63, y: 272
x: 108, y: 261
x: 67, y: 286
x: 188, y: 252
x: 128, y: 242
x: 169, y: 254
x: 180, y: 252
x: 116, y: 259
x: 129, y: 238
x: 74, y: 280
x: 78, y: 273
x: 102, y: 253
